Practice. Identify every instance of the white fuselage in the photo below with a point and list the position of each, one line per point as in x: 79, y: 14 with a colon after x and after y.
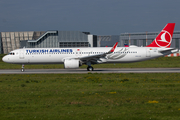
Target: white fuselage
x: 58, y: 55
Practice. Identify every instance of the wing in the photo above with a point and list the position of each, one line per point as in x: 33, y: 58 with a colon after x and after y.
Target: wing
x: 94, y: 58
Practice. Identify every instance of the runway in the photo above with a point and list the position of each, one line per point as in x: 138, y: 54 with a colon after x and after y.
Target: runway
x: 97, y: 70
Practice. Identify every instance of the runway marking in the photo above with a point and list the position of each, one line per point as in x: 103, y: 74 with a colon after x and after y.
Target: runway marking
x: 97, y: 70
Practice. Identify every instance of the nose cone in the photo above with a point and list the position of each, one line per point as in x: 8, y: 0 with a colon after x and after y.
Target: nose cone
x: 5, y: 59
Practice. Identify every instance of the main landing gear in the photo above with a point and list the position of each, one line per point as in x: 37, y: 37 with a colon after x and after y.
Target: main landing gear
x: 22, y: 68
x: 90, y: 68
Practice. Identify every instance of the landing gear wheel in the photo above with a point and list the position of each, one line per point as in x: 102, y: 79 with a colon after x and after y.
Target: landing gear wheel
x: 90, y: 68
x: 22, y: 70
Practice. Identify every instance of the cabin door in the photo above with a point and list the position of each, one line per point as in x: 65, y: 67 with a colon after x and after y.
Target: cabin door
x: 148, y: 53
x: 21, y: 54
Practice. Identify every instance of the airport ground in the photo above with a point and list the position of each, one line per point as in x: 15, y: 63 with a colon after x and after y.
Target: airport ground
x: 90, y: 96
x: 126, y: 96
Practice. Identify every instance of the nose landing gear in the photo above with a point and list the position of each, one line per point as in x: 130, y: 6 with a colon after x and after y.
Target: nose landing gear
x: 22, y: 68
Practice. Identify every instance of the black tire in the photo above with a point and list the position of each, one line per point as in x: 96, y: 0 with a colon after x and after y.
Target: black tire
x: 22, y: 70
x: 90, y: 68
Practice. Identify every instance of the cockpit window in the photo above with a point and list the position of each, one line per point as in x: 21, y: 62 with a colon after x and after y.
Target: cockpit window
x: 11, y: 53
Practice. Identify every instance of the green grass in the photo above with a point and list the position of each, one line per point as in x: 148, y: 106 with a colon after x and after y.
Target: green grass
x: 90, y: 96
x: 162, y: 62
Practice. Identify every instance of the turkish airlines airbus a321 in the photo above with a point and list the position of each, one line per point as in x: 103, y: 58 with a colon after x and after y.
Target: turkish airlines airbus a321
x: 75, y: 57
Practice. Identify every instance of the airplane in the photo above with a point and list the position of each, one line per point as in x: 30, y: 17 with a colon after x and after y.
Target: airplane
x: 75, y: 57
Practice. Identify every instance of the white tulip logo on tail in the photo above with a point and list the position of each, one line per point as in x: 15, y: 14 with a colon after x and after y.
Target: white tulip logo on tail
x: 164, y: 39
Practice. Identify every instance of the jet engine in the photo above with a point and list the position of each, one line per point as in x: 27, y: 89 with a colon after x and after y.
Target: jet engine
x: 71, y: 63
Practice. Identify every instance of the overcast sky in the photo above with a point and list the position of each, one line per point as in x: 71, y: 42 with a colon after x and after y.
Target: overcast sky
x: 99, y: 17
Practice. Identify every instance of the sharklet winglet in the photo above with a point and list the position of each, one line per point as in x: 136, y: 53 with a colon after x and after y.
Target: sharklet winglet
x: 113, y: 48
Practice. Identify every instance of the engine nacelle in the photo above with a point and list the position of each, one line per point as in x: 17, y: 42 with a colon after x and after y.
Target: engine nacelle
x: 71, y: 63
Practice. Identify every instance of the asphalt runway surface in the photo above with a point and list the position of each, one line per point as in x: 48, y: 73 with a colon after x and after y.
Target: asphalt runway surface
x: 96, y: 70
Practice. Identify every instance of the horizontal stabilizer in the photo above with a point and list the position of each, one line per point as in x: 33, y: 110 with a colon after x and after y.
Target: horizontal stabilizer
x: 168, y: 50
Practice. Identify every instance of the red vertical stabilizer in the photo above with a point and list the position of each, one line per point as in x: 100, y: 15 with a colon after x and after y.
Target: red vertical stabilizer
x: 164, y: 38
